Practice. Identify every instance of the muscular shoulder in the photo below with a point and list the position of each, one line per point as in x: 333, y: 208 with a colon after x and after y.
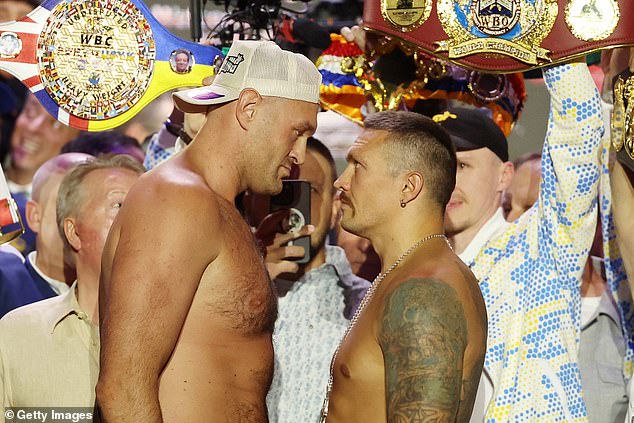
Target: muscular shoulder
x: 423, y: 304
x: 172, y: 192
x: 423, y: 335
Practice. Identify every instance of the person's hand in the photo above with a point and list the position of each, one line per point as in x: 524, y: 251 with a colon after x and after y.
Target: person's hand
x: 613, y: 62
x: 356, y: 34
x: 273, y: 236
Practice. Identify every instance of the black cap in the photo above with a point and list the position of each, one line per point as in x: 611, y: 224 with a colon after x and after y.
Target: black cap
x: 472, y: 129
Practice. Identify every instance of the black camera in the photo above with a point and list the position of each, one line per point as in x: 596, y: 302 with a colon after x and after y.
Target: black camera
x: 295, y: 197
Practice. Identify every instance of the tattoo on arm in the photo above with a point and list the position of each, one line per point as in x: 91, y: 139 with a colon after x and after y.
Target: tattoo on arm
x: 423, y: 336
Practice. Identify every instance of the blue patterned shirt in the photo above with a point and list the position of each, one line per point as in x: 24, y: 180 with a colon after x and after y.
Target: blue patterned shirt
x: 530, y: 274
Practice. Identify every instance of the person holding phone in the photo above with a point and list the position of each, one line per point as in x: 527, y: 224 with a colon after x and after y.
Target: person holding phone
x: 316, y: 300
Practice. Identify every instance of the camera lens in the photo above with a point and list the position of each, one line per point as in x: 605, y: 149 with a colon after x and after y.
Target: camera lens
x: 295, y: 220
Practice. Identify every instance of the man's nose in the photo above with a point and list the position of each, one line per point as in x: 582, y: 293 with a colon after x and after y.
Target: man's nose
x: 343, y: 181
x: 298, y: 153
x: 36, y: 123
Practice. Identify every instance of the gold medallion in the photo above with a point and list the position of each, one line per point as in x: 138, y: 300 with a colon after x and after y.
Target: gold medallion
x: 513, y: 28
x: 406, y: 15
x: 96, y: 58
x: 592, y: 20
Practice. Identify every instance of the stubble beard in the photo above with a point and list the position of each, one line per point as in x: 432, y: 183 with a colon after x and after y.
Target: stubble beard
x: 454, y: 226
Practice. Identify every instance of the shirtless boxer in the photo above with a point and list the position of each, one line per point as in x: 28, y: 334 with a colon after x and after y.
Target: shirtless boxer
x: 187, y: 306
x: 415, y: 351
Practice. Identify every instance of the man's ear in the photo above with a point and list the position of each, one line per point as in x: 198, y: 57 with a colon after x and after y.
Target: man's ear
x: 246, y: 107
x: 70, y: 232
x: 412, y: 186
x: 507, y: 170
x: 33, y: 216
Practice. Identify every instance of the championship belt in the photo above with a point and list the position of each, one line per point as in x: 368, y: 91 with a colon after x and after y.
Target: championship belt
x: 622, y: 122
x: 504, y: 35
x: 94, y: 64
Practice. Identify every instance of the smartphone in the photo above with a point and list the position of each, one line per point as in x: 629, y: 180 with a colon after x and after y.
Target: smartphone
x: 295, y: 196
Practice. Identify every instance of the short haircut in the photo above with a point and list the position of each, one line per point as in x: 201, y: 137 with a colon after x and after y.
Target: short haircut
x: 58, y: 165
x: 537, y: 156
x: 417, y: 143
x: 97, y: 143
x: 313, y: 144
x: 71, y: 196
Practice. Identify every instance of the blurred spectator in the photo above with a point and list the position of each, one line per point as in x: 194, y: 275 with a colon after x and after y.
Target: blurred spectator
x: 177, y: 131
x: 106, y: 142
x: 601, y: 343
x: 12, y: 91
x: 337, y: 133
x: 49, y: 350
x: 364, y: 261
x: 37, y: 137
x: 11, y: 10
x: 523, y: 190
x: 316, y: 302
x: 149, y: 120
x: 44, y: 273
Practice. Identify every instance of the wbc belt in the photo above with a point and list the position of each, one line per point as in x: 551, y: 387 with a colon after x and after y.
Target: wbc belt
x: 95, y: 64
x: 504, y: 35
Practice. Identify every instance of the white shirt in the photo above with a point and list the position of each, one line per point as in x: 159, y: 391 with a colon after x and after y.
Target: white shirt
x: 492, y: 228
x: 495, y: 226
x: 57, y: 286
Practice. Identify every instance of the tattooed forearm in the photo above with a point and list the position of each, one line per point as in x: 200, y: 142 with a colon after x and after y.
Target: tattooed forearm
x: 423, y: 337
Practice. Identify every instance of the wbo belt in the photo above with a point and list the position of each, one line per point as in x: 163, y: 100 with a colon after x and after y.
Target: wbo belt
x: 94, y: 64
x: 504, y: 35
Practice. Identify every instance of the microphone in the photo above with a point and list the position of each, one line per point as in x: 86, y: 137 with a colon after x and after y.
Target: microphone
x: 195, y: 19
x: 302, y: 30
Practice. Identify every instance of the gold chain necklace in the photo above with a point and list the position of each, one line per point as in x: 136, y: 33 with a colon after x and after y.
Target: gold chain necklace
x: 366, y: 299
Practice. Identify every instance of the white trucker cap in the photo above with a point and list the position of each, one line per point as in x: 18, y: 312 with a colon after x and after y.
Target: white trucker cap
x: 261, y: 65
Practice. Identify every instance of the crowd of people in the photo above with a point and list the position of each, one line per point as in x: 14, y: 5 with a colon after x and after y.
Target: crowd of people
x: 152, y: 283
